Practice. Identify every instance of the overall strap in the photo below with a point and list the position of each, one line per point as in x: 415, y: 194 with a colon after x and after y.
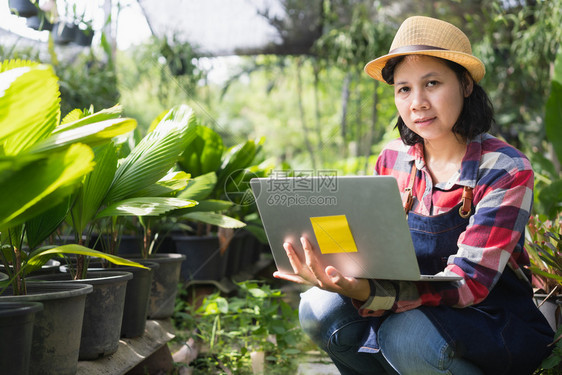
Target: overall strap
x: 466, y: 207
x: 410, y: 198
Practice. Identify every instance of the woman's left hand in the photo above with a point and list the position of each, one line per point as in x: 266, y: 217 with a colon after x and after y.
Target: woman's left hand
x: 311, y: 273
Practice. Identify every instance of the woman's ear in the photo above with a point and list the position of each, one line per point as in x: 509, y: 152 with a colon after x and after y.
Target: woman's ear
x: 468, y: 84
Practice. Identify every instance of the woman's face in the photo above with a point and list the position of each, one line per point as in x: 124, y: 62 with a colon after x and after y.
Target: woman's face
x: 429, y: 96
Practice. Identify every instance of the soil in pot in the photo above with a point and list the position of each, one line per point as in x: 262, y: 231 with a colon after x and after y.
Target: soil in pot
x: 16, y: 323
x: 57, y: 328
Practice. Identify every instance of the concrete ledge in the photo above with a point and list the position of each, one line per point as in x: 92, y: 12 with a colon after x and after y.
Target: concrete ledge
x: 131, y: 352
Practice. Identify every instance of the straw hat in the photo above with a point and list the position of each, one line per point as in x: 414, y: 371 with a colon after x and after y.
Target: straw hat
x: 432, y: 37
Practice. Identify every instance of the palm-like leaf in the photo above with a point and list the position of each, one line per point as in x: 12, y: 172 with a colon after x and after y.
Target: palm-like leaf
x: 167, y: 186
x: 213, y: 218
x: 155, y: 154
x: 200, y: 187
x: 24, y: 122
x: 144, y: 206
x: 42, y: 183
x: 91, y: 194
x: 92, y: 134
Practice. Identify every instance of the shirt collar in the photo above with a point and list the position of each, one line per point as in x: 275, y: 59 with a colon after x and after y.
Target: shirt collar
x: 469, y: 165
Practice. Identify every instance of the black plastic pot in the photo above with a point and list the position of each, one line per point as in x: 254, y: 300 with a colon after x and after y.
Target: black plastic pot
x: 203, y: 258
x: 164, y: 284
x: 52, y: 266
x: 84, y: 37
x: 22, y: 8
x: 57, y: 328
x: 39, y: 22
x: 16, y: 327
x: 137, y: 298
x: 103, y: 313
x: 64, y: 33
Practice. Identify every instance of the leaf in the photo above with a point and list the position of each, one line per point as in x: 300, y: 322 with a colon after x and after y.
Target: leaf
x: 36, y: 257
x: 154, y: 155
x: 209, y: 205
x: 236, y: 161
x: 95, y: 187
x: 204, y: 154
x: 553, y: 117
x: 76, y: 119
x: 200, y: 187
x: 167, y: 186
x: 23, y: 122
x: 215, y: 219
x: 42, y: 226
x: 144, y: 206
x: 91, y: 134
x: 43, y: 183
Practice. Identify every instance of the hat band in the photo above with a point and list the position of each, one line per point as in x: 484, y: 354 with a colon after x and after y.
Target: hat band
x: 415, y: 48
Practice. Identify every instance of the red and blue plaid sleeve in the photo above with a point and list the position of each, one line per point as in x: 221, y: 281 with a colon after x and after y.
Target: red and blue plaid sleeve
x: 502, y: 179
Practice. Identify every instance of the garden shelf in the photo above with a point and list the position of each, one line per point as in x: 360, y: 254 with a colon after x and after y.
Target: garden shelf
x: 150, y: 347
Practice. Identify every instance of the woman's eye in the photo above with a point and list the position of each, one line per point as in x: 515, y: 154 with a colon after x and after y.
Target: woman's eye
x: 432, y: 83
x: 403, y: 89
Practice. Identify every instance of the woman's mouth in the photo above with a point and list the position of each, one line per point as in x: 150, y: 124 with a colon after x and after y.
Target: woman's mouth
x: 424, y: 121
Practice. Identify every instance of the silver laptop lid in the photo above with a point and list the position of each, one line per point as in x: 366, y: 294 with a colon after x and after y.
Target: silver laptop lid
x: 367, y: 208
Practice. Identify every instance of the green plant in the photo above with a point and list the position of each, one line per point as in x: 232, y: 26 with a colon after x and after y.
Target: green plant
x: 42, y: 163
x: 544, y: 245
x: 139, y: 185
x: 552, y: 364
x: 257, y: 318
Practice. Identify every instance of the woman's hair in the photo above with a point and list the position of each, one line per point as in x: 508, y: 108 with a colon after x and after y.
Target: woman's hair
x: 476, y: 117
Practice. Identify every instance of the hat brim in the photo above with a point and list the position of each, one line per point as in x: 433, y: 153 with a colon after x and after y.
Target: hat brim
x: 474, y: 66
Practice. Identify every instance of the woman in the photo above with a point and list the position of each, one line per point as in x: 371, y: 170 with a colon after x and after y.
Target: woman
x: 468, y: 197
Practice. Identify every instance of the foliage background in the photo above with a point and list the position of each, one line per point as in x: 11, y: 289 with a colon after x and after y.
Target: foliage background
x: 314, y: 105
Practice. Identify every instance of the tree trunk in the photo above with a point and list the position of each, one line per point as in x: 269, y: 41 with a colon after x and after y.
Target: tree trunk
x: 317, y: 112
x: 372, y: 128
x: 359, y: 121
x: 306, y: 134
x: 344, y: 104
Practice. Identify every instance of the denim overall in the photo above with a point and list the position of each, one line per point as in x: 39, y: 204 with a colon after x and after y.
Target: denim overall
x: 504, y: 334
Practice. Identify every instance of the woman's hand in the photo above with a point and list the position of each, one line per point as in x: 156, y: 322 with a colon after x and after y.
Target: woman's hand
x: 311, y: 273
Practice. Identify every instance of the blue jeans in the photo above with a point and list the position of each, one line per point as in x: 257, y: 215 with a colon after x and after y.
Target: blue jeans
x: 408, y: 341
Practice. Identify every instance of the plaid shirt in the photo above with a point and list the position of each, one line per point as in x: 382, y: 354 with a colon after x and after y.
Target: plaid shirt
x: 502, y: 179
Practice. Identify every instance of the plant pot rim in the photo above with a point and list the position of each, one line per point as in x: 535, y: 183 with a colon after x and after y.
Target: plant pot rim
x: 92, y: 277
x: 19, y: 308
x: 159, y: 257
x: 41, y: 290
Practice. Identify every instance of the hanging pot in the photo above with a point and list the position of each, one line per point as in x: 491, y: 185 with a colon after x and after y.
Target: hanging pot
x: 22, y: 8
x: 16, y: 323
x: 57, y: 328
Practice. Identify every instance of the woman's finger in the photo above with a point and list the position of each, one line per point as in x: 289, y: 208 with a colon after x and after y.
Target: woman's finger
x: 293, y: 257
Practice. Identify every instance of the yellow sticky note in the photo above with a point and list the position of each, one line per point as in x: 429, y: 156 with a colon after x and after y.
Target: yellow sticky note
x: 333, y: 234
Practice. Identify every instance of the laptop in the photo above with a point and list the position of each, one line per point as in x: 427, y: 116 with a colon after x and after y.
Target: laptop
x: 354, y: 223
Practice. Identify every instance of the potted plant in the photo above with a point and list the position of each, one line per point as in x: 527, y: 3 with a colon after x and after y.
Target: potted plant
x: 220, y: 185
x: 43, y: 162
x: 544, y: 245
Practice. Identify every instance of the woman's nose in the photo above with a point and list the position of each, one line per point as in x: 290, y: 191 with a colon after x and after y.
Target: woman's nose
x: 419, y: 100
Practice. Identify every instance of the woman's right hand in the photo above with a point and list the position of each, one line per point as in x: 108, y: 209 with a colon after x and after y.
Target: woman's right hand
x: 310, y: 272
